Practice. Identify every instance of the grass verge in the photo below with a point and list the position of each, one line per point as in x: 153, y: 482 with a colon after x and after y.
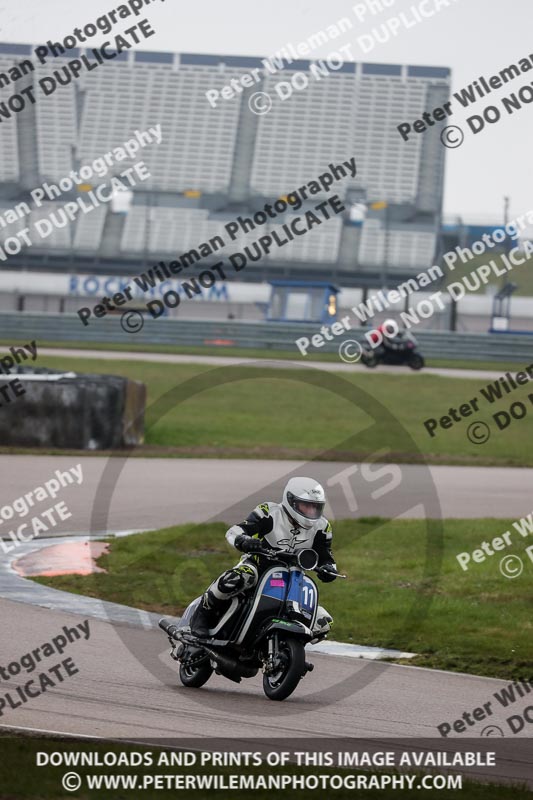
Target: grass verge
x: 476, y: 621
x: 267, y: 413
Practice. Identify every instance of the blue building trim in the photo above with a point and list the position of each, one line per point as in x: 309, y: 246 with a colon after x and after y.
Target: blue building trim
x: 382, y: 69
x: 153, y: 57
x: 428, y: 72
x: 16, y: 49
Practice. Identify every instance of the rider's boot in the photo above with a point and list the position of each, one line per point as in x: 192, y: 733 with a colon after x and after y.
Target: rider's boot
x: 204, y: 618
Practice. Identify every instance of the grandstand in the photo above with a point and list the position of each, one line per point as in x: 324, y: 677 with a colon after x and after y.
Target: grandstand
x: 215, y: 163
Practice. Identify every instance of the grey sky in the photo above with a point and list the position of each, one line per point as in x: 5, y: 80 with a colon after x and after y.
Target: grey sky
x: 473, y: 37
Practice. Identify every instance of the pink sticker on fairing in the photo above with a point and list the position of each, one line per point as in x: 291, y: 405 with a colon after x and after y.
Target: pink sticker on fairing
x: 275, y: 582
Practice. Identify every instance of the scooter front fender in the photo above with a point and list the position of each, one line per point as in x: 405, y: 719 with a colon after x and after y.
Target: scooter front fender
x: 293, y: 628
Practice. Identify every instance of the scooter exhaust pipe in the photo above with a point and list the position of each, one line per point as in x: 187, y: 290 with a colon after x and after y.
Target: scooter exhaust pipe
x: 228, y: 666
x: 169, y: 627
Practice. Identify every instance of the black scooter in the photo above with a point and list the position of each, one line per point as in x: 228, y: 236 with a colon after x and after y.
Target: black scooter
x: 267, y: 631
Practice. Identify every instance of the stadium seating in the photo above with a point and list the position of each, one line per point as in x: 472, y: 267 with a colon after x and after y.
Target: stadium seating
x: 88, y: 230
x: 196, y: 151
x: 230, y: 158
x: 9, y: 157
x: 175, y: 231
x: 405, y: 248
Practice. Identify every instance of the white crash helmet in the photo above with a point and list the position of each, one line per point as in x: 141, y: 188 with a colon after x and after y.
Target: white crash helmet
x: 304, y: 500
x: 390, y: 326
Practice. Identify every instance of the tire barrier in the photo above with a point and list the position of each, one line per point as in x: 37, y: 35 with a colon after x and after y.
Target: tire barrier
x: 73, y: 410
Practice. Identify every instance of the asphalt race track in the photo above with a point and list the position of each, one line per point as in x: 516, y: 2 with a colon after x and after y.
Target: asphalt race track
x: 117, y: 693
x: 148, y: 493
x: 125, y: 688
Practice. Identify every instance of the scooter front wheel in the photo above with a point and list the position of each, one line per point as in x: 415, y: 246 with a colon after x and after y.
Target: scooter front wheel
x: 416, y: 361
x: 283, y: 682
x: 195, y: 675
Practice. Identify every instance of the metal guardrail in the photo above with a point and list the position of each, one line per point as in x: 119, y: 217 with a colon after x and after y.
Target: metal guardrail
x: 26, y: 326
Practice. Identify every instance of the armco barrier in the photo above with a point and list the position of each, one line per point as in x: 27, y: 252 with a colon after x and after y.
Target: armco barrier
x: 24, y: 327
x: 71, y: 410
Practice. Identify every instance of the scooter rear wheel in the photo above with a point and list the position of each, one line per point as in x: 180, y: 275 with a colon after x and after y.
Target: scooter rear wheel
x: 283, y: 683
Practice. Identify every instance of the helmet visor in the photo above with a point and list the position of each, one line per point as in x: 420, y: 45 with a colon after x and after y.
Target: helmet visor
x: 307, y: 508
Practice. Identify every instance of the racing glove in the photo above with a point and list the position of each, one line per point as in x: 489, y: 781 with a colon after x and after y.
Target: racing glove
x: 247, y: 544
x: 325, y: 573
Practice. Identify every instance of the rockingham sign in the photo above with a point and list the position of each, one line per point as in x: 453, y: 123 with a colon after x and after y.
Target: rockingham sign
x: 78, y: 286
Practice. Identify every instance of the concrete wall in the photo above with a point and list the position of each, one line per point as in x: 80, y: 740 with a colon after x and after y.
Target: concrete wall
x: 86, y: 412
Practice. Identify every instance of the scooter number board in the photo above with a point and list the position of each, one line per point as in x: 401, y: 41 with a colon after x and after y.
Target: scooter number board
x: 307, y: 600
x: 302, y: 590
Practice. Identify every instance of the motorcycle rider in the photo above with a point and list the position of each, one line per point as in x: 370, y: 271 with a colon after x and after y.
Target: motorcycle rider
x: 387, y: 335
x: 294, y: 524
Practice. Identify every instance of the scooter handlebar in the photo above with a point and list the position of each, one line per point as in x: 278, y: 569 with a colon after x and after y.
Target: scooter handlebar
x: 282, y: 555
x: 331, y: 572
